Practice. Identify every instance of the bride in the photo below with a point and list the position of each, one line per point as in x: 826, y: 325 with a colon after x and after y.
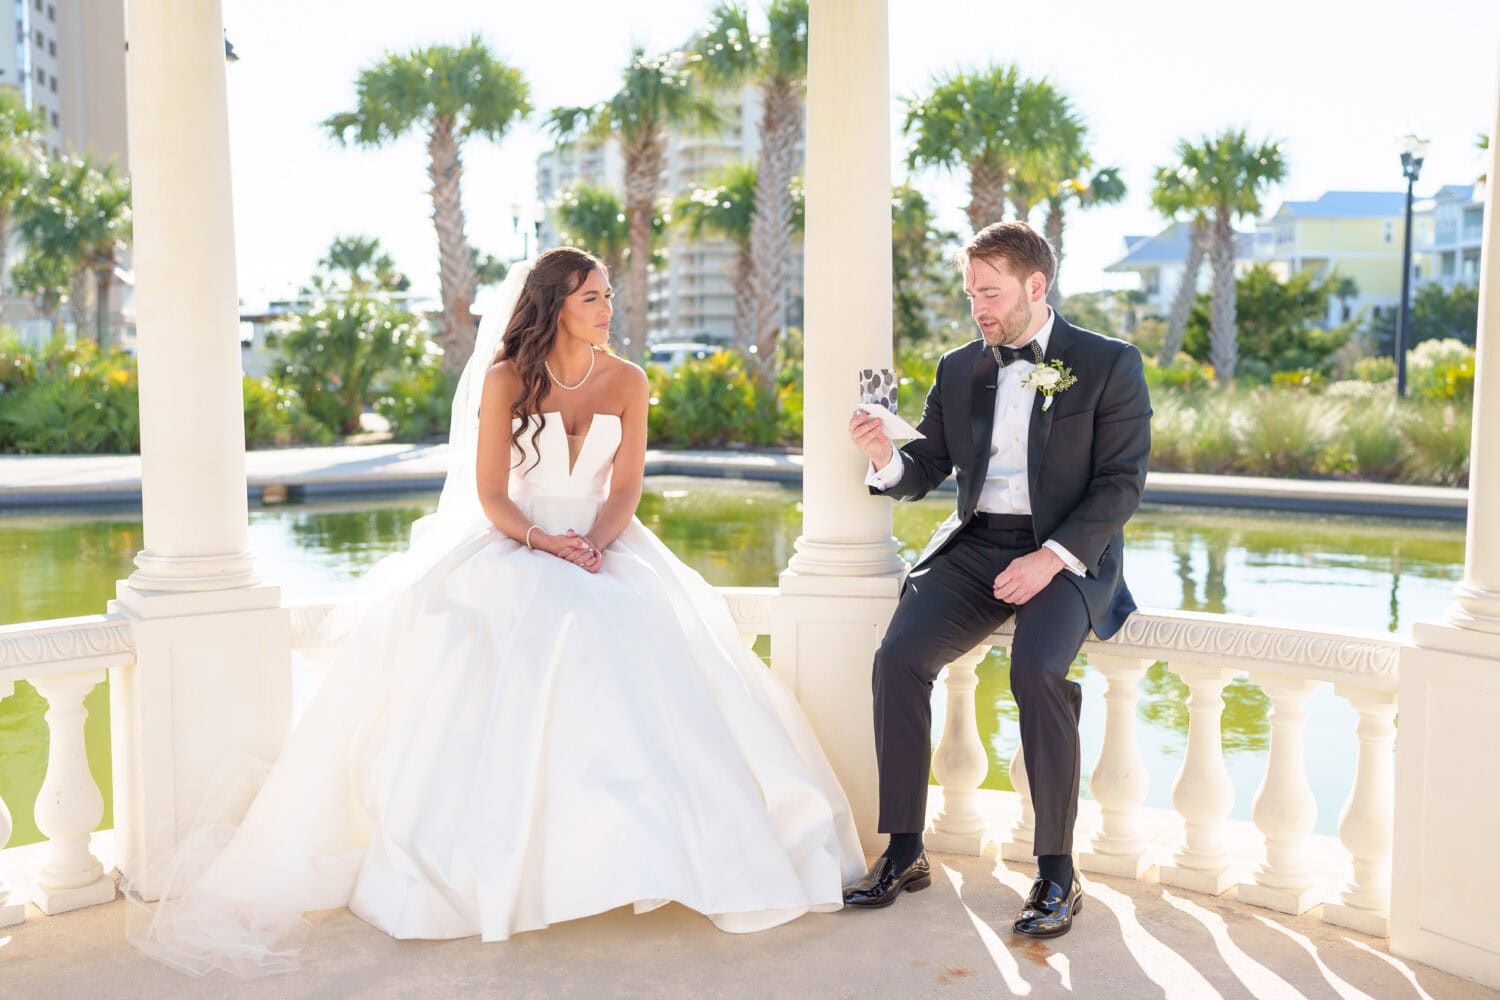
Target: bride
x: 534, y: 714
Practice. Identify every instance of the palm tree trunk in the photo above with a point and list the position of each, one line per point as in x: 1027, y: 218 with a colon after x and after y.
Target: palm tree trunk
x: 744, y: 297
x: 1223, y: 345
x: 1187, y: 291
x: 4, y: 249
x: 771, y: 228
x: 103, y: 279
x: 455, y: 263
x: 644, y: 163
x: 1054, y: 230
x: 1023, y: 208
x: 986, y: 193
x: 79, y: 289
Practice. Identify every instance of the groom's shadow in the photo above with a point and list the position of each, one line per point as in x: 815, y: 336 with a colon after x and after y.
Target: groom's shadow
x: 1092, y: 960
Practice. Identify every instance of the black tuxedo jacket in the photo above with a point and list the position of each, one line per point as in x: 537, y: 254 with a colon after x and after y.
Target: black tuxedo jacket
x: 1086, y: 456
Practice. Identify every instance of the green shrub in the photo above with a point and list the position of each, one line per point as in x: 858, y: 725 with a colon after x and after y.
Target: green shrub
x: 709, y: 403
x: 1441, y: 369
x: 1213, y: 445
x: 1299, y: 378
x: 1437, y: 438
x: 1285, y: 433
x: 419, y: 403
x: 1172, y: 422
x: 69, y: 400
x: 1183, y: 373
x: 275, y: 417
x: 1376, y: 369
x: 334, y: 354
x: 1370, y: 442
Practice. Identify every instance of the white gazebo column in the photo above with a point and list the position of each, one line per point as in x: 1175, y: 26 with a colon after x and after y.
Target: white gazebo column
x: 1445, y: 877
x: 840, y: 589
x: 212, y: 672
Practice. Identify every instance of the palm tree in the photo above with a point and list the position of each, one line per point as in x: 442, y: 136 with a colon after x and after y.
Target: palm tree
x: 1179, y: 189
x: 1048, y: 144
x: 102, y: 219
x: 1234, y: 173
x: 18, y: 166
x: 728, y: 55
x: 921, y: 275
x: 450, y: 93
x: 365, y: 264
x: 46, y: 220
x: 656, y: 94
x: 1482, y: 143
x: 727, y: 208
x: 594, y: 218
x: 970, y: 120
x: 1105, y: 187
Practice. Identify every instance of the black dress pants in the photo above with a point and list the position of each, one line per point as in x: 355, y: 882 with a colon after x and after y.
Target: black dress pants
x: 948, y: 607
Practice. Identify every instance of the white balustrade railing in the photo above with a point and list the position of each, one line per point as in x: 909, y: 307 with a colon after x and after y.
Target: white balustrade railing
x: 65, y: 659
x: 1207, y: 652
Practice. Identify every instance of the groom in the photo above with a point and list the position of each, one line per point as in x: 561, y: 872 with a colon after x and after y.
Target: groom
x: 1048, y: 429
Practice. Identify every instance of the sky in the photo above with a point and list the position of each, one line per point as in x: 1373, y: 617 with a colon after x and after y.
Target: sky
x: 1334, y: 83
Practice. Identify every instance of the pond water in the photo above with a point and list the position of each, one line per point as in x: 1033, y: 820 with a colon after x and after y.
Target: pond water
x: 1342, y: 573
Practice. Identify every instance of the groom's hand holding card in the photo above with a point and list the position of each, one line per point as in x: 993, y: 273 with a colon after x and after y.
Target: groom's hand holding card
x: 877, y: 397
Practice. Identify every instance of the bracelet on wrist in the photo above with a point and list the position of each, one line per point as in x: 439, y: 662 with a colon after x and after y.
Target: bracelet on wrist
x: 528, y: 536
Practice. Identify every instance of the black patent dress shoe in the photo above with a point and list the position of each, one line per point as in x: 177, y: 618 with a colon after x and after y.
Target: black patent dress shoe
x: 882, y: 883
x: 1049, y: 911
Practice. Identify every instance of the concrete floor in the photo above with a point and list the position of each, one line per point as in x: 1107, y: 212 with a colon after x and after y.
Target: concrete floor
x: 1132, y: 939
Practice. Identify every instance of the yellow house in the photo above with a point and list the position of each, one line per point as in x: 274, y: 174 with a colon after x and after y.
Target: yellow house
x: 1356, y: 233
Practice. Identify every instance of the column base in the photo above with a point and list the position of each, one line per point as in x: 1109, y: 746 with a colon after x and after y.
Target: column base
x: 12, y: 914
x: 191, y: 573
x: 1018, y: 850
x: 972, y: 844
x: 1293, y: 901
x: 815, y: 558
x: 55, y: 901
x: 1120, y: 865
x: 1204, y: 880
x: 1371, y: 922
x: 1475, y: 609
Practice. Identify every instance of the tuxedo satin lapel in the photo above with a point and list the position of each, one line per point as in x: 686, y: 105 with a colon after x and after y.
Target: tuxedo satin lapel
x: 1041, y: 420
x: 983, y: 379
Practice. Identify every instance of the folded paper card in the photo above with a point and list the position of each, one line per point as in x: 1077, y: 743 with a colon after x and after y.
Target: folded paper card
x: 895, y: 428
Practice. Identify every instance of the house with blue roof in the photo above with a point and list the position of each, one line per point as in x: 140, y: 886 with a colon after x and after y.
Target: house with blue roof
x: 1356, y: 233
x: 1160, y: 260
x: 1446, y: 231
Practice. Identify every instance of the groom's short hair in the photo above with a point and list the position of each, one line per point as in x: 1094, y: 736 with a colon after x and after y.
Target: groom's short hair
x: 1015, y: 246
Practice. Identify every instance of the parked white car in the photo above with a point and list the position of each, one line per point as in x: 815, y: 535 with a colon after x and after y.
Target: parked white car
x: 670, y: 356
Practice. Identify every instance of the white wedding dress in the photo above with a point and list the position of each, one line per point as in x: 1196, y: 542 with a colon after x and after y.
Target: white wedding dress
x: 504, y: 741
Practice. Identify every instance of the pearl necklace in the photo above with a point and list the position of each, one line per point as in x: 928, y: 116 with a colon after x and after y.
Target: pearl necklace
x: 593, y: 356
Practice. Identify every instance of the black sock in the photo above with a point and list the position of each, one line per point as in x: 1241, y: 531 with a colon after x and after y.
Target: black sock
x: 1056, y: 868
x: 905, y: 848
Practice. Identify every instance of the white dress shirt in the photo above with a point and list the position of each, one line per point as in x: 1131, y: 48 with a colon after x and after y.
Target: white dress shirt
x: 1006, y: 489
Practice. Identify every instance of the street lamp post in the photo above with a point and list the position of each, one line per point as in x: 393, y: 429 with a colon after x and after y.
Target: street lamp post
x: 1413, y: 151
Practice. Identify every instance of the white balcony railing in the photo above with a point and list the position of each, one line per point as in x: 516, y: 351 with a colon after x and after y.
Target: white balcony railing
x: 66, y: 658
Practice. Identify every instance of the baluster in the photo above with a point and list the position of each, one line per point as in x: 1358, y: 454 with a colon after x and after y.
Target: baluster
x: 1119, y: 781
x: 748, y: 638
x: 1203, y: 793
x: 69, y: 805
x: 1019, y: 846
x: 1285, y: 810
x: 12, y: 910
x: 1365, y: 826
x: 960, y: 762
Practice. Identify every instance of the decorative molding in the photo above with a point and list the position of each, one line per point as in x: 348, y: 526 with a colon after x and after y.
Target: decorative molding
x: 1339, y: 656
x: 306, y: 620
x: 750, y: 607
x: 30, y: 645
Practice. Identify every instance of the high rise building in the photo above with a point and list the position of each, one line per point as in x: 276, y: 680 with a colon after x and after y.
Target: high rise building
x: 67, y: 59
x: 691, y: 292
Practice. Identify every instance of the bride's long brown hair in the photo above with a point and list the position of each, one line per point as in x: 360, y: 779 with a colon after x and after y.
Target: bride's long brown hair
x: 532, y: 330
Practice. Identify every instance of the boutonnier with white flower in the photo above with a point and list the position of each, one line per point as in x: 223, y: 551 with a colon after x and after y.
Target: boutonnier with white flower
x: 1049, y: 379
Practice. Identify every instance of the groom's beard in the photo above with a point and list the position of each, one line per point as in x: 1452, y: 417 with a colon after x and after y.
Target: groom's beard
x: 1011, y: 327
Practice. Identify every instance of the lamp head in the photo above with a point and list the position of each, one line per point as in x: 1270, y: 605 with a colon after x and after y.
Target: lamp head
x: 1413, y: 151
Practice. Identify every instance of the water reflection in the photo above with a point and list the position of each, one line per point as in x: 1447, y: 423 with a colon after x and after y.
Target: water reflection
x: 1340, y: 573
